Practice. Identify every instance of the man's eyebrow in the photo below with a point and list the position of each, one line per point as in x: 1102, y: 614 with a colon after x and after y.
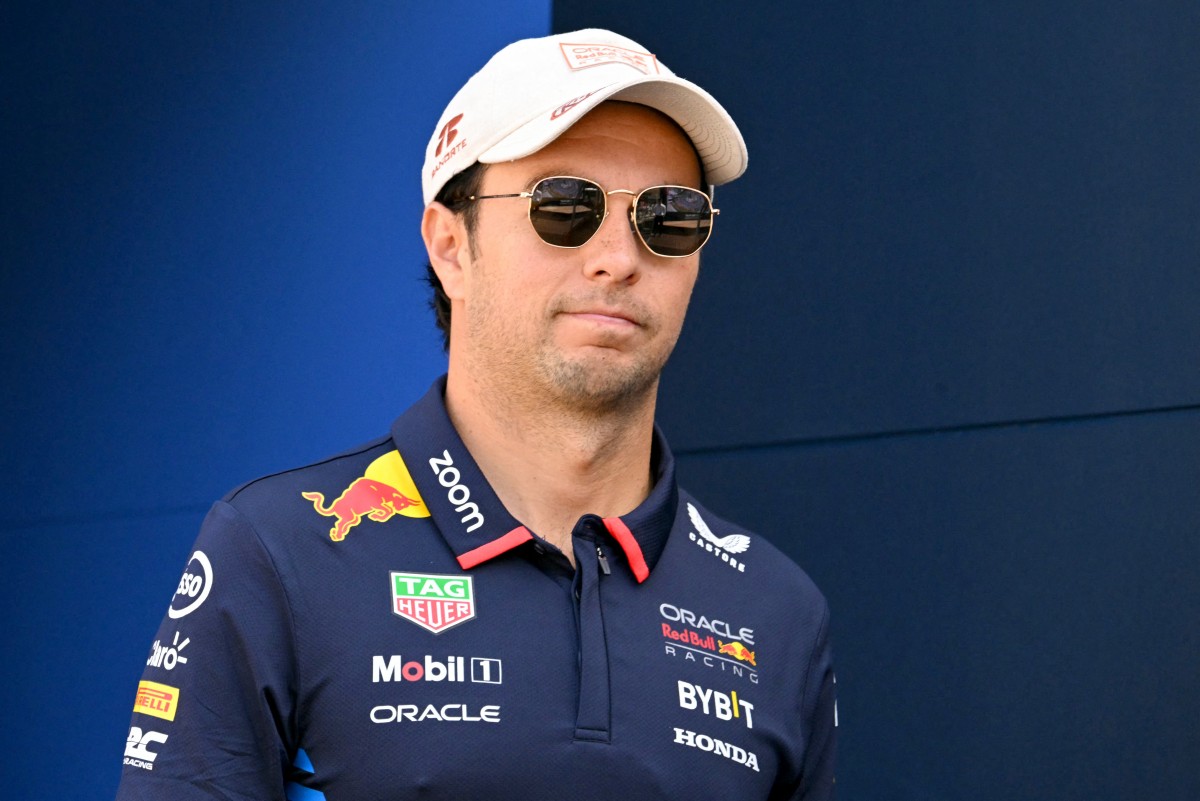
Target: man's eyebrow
x: 567, y: 172
x: 554, y: 173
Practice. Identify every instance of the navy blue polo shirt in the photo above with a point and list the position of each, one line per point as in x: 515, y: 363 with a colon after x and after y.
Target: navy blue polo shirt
x: 378, y: 625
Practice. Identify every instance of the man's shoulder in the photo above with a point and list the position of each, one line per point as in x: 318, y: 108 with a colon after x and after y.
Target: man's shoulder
x: 325, y: 510
x: 322, y: 475
x: 369, y: 482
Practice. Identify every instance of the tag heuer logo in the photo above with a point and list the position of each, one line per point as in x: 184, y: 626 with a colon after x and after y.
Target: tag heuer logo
x: 433, y: 602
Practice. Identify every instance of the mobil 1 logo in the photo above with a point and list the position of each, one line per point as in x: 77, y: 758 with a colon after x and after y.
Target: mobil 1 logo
x: 479, y: 670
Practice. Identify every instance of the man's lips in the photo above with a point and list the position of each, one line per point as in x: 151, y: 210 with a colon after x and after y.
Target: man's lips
x: 603, y: 316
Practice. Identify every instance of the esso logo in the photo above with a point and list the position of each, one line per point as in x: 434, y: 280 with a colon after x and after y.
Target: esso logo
x: 194, y: 586
x: 190, y: 585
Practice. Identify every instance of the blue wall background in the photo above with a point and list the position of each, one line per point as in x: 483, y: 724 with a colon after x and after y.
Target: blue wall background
x: 943, y: 349
x: 212, y: 270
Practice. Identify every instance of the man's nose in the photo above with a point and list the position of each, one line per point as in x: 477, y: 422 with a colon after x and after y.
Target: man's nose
x: 617, y: 252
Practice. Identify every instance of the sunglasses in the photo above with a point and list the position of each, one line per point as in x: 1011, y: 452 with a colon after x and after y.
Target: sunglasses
x: 566, y: 212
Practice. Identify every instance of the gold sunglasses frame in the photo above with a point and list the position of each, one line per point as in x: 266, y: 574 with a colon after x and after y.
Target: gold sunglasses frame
x: 605, y: 194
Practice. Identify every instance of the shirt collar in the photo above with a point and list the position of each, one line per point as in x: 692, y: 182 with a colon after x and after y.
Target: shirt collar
x: 474, y: 522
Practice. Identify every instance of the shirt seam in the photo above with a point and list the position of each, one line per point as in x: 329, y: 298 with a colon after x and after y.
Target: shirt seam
x: 814, y: 658
x: 373, y: 444
x: 295, y: 660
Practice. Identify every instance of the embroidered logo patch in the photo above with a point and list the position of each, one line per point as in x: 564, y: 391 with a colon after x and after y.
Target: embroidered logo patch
x: 433, y: 602
x: 159, y: 700
x: 581, y: 56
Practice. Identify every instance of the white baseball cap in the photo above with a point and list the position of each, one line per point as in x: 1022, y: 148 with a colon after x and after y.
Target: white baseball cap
x: 534, y: 89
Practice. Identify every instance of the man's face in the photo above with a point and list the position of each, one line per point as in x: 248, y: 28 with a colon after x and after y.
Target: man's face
x: 590, y: 326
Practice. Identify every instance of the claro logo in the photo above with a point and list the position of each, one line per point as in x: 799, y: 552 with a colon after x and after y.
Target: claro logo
x: 456, y: 492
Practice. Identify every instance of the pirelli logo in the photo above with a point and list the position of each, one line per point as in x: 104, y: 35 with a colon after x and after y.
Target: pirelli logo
x: 157, y: 700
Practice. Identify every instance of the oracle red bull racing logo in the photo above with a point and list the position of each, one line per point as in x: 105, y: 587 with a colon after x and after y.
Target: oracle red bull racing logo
x: 433, y: 602
x: 385, y: 490
x: 708, y: 641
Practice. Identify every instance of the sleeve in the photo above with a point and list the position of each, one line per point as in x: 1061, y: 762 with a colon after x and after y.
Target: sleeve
x: 214, y: 714
x: 818, y: 781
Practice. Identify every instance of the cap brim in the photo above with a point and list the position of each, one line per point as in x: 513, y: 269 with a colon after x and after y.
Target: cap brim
x: 711, y: 129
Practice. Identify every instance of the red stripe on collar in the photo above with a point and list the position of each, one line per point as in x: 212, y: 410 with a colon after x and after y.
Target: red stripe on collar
x: 633, y: 552
x: 494, y: 548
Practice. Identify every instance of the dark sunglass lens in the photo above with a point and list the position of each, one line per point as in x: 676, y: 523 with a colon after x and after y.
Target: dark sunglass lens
x: 673, y: 220
x: 566, y: 211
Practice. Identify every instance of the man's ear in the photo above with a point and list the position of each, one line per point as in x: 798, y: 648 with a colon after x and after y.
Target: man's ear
x: 449, y: 249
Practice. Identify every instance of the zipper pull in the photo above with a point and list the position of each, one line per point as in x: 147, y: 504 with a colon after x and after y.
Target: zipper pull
x: 604, y: 568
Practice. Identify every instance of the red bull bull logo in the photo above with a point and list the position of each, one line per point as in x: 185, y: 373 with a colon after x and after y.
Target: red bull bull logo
x: 385, y: 490
x: 737, y: 651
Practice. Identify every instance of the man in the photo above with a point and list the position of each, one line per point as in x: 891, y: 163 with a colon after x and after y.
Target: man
x: 509, y: 596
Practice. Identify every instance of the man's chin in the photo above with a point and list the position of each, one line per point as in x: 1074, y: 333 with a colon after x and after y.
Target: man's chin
x: 604, y: 380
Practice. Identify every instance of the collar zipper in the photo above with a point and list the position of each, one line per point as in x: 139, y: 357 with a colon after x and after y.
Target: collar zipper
x: 604, y: 568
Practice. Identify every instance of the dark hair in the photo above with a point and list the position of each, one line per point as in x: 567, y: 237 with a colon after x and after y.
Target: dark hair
x: 454, y: 196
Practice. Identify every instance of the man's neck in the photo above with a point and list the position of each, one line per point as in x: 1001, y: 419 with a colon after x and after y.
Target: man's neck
x: 550, y: 464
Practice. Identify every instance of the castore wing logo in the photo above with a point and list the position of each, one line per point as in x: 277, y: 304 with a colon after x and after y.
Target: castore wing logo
x: 718, y: 546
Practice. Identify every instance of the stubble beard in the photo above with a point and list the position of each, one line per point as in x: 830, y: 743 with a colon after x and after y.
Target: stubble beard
x: 597, y: 383
x: 594, y: 381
